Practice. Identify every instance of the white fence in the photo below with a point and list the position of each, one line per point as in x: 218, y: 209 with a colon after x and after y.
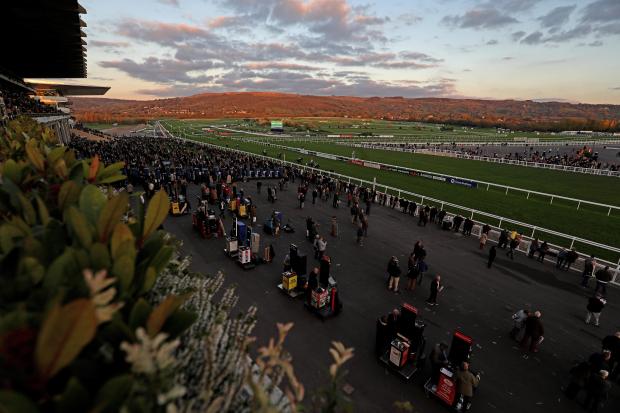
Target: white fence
x: 456, y: 154
x: 488, y: 185
x: 479, y: 217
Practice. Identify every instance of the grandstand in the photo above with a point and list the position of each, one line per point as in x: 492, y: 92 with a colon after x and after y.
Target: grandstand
x: 46, y: 41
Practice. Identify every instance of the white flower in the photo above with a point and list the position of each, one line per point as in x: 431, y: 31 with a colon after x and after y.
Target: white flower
x: 149, y: 355
x: 172, y: 394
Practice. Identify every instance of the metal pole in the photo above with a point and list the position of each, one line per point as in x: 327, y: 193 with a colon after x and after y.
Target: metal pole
x: 578, y: 205
x: 551, y: 201
x: 572, y: 243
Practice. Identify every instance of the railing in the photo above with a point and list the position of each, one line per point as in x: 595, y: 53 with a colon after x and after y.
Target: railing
x: 504, y: 188
x: 502, y: 221
x: 456, y: 154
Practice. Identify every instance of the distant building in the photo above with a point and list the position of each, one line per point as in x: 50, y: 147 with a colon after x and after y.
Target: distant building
x: 277, y: 126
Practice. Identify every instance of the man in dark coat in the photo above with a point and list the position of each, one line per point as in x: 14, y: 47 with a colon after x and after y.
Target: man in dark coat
x: 534, y: 332
x: 598, y: 388
x: 436, y: 287
x: 492, y: 255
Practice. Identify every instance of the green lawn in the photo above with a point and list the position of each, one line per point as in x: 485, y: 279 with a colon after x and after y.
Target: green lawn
x: 602, y: 189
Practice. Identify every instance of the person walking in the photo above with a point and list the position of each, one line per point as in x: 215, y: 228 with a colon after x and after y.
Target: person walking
x: 466, y: 382
x: 412, y: 274
x: 492, y: 255
x: 542, y: 251
x: 302, y: 198
x: 322, y: 247
x: 597, y: 389
x: 514, y: 244
x: 595, y: 307
x: 588, y: 270
x: 518, y: 322
x: 436, y: 288
x: 483, y: 240
x: 315, y: 194
x: 334, y: 227
x: 393, y: 270
x: 534, y: 332
x: 603, y: 277
x: 533, y: 248
x: 360, y: 235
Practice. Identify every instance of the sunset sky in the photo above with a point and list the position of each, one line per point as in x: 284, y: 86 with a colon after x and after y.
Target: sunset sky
x: 521, y: 49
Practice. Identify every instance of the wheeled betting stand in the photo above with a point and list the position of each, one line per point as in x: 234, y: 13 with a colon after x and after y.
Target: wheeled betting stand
x: 294, y: 282
x: 400, y: 343
x: 325, y: 302
x: 445, y: 388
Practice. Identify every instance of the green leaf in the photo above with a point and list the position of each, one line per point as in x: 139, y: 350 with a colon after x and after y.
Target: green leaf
x: 99, y: 256
x: 12, y: 170
x: 121, y: 237
x: 34, y: 155
x: 28, y: 212
x: 156, y: 213
x: 124, y: 270
x: 162, y: 258
x: 63, y: 334
x: 56, y: 154
x: 111, y: 215
x: 75, y: 398
x: 31, y: 268
x: 92, y: 201
x: 112, y: 179
x: 68, y: 195
x: 161, y: 313
x: 139, y: 314
x: 113, y: 394
x: 13, y: 402
x: 44, y: 215
x: 79, y: 226
x: 149, y: 280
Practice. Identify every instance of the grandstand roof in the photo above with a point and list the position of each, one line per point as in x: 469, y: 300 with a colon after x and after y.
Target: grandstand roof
x: 42, y: 38
x: 71, y: 90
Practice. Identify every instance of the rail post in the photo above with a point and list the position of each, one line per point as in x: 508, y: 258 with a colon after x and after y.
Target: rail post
x: 572, y: 243
x: 551, y: 202
x: 609, y: 212
x: 578, y: 205
x: 533, y: 231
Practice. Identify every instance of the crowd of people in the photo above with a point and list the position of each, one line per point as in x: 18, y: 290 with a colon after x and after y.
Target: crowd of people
x: 14, y: 103
x: 581, y: 157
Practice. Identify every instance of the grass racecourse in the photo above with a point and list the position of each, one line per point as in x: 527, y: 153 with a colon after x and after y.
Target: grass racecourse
x: 588, y: 222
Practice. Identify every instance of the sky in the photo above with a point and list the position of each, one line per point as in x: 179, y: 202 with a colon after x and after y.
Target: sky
x: 490, y: 49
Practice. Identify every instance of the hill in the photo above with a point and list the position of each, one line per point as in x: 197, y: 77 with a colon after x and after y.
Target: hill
x: 475, y: 112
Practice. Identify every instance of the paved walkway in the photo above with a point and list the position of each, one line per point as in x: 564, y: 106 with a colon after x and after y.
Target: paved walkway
x: 476, y: 300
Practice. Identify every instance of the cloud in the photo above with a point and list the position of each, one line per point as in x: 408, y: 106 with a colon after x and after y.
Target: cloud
x: 169, y: 2
x: 480, y: 19
x: 508, y: 58
x: 492, y: 42
x: 279, y: 66
x: 409, y: 19
x: 556, y: 17
x: 162, y: 70
x: 106, y: 44
x: 601, y: 11
x: 615, y: 88
x: 596, y: 43
x: 533, y: 38
x: 518, y: 35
